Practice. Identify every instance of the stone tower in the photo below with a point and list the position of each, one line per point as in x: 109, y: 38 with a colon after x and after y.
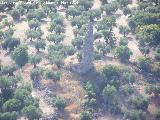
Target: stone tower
x: 88, y: 51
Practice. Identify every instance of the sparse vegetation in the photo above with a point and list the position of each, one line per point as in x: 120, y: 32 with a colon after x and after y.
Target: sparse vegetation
x: 43, y: 48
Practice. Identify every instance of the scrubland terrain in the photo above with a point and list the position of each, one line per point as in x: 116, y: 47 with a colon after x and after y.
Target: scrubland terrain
x: 40, y: 43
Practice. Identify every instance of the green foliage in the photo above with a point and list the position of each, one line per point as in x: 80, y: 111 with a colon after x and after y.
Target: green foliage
x: 86, y: 4
x: 59, y: 102
x: 85, y: 115
x: 35, y: 59
x: 40, y: 44
x: 70, y: 50
x: 91, y: 94
x: 124, y: 30
x: 59, y: 29
x: 53, y: 75
x: 123, y: 53
x: 35, y: 13
x: 157, y: 54
x: 128, y: 77
x: 56, y: 54
x: 156, y: 70
x: 9, y: 116
x: 97, y: 35
x: 79, y: 56
x: 126, y: 11
x: 59, y: 20
x: 135, y: 115
x: 145, y: 64
x: 123, y: 41
x: 109, y: 93
x: 49, y: 8
x: 8, y: 33
x: 124, y: 3
x: 106, y: 23
x: 102, y: 48
x: 149, y: 34
x: 104, y: 2
x: 110, y: 8
x: 79, y: 21
x: 144, y: 18
x: 12, y: 105
x: 7, y: 23
x: 32, y: 113
x: 95, y: 13
x: 10, y: 42
x: 7, y: 82
x: 55, y: 38
x: 15, y: 13
x: 8, y: 70
x: 126, y: 90
x: 139, y: 102
x: 111, y: 74
x: 34, y: 24
x: 36, y: 73
x: 34, y: 34
x: 78, y: 42
x: 144, y: 50
x: 143, y: 6
x: 73, y: 11
x: 20, y: 55
x: 153, y: 89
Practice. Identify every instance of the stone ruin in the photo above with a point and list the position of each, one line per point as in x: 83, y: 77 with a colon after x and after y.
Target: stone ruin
x: 86, y: 63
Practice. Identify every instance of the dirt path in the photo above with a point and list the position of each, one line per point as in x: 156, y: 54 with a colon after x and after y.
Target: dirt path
x: 46, y: 109
x: 132, y: 42
x: 69, y: 35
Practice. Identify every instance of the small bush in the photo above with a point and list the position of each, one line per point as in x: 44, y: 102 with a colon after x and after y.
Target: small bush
x: 59, y: 102
x: 86, y: 115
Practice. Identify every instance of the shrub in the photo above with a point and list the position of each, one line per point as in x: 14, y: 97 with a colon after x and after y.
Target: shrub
x: 31, y: 112
x: 135, y: 115
x: 145, y: 64
x: 126, y: 90
x: 55, y: 76
x: 108, y: 94
x: 123, y: 53
x: 139, y: 102
x: 59, y: 102
x: 70, y: 50
x: 15, y: 14
x: 85, y: 115
x: 123, y: 41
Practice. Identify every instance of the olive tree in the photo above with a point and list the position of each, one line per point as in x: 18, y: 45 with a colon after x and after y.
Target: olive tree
x: 139, y: 102
x: 15, y: 13
x: 78, y: 42
x: 55, y: 38
x: 53, y: 75
x: 31, y: 112
x: 34, y: 60
x: 135, y: 115
x: 34, y: 24
x: 124, y: 30
x: 85, y: 115
x: 59, y: 102
x: 144, y: 63
x: 20, y: 55
x: 40, y: 44
x: 73, y: 11
x: 123, y: 53
x: 108, y: 94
